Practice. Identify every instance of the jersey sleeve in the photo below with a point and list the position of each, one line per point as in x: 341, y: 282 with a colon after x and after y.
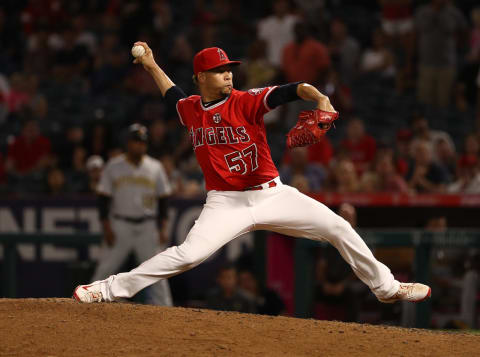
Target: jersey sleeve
x: 105, y: 186
x: 163, y: 186
x: 186, y: 109
x: 172, y: 96
x: 254, y: 102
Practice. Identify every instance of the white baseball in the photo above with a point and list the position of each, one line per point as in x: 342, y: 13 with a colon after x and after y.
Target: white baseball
x: 138, y: 51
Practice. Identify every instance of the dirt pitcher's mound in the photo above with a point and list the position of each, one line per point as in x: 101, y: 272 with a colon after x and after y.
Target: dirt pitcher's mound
x: 62, y: 327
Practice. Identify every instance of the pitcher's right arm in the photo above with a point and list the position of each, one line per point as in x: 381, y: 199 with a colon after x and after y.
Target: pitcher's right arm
x: 171, y: 92
x: 164, y: 83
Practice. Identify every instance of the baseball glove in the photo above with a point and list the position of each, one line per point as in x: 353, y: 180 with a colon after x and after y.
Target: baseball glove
x: 310, y: 128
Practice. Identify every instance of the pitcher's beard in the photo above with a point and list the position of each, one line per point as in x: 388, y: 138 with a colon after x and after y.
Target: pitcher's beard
x: 226, y: 91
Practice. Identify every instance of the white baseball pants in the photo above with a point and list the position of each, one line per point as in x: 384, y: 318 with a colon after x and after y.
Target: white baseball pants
x: 142, y: 239
x: 227, y: 215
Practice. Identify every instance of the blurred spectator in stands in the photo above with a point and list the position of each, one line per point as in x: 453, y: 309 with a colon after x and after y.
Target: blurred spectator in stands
x: 71, y: 54
x: 344, y: 51
x: 258, y: 71
x: 39, y: 109
x: 446, y: 156
x: 477, y: 83
x: 348, y: 213
x: 18, y: 96
x: 460, y: 100
x: 470, y: 286
x: 398, y: 26
x: 39, y: 56
x: 378, y: 59
x: 193, y: 180
x: 383, y: 177
x: 3, y: 176
x: 316, y: 15
x: 266, y: 303
x: 339, y: 93
x: 402, y: 150
x: 76, y: 175
x: 334, y: 297
x: 10, y: 34
x: 424, y: 174
x: 468, y: 176
x: 471, y: 148
x: 277, y: 31
x: 158, y: 143
x: 463, y: 287
x: 438, y: 25
x: 305, y: 59
x: 345, y: 178
x: 183, y: 150
x: 436, y: 224
x: 139, y: 81
x: 84, y: 36
x: 180, y: 66
x: 466, y: 86
x: 4, y: 89
x: 421, y: 131
x: 42, y: 11
x: 29, y: 152
x: 66, y: 145
x: 111, y: 64
x: 174, y: 175
x: 360, y: 146
x: 55, y: 182
x: 201, y: 14
x: 227, y: 296
x: 207, y: 36
x: 314, y: 175
x: 397, y: 19
x: 94, y: 168
x: 161, y: 16
x: 320, y: 153
x: 98, y: 139
x: 474, y: 54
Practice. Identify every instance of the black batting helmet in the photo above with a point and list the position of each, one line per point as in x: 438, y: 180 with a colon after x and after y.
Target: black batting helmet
x: 137, y: 132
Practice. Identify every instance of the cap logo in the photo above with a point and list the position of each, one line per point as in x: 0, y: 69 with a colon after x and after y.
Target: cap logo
x: 217, y: 118
x: 221, y: 55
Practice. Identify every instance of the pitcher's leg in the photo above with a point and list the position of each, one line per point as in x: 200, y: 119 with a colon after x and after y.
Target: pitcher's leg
x: 221, y: 221
x: 293, y: 213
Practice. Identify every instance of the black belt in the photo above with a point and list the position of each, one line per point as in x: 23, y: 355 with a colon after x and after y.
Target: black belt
x: 134, y: 220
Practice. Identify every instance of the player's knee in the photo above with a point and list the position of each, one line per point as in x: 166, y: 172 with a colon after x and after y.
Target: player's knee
x: 339, y: 228
x: 190, y: 258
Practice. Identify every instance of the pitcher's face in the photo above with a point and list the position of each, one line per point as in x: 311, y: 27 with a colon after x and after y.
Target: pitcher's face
x: 219, y: 80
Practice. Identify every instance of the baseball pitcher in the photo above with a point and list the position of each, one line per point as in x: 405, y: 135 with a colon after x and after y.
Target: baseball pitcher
x: 244, y: 191
x: 132, y: 201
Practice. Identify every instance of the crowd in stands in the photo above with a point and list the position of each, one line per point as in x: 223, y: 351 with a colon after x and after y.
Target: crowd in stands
x: 237, y: 289
x: 404, y: 76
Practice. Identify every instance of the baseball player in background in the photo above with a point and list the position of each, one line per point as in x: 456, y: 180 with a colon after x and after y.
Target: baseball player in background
x: 244, y: 190
x: 132, y: 202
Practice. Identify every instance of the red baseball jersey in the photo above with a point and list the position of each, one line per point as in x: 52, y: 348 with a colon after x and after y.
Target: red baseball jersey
x: 229, y: 139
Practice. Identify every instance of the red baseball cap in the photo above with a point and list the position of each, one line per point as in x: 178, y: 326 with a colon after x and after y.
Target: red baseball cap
x: 210, y: 58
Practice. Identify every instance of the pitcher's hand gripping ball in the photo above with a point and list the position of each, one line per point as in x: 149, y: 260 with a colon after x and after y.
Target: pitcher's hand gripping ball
x: 310, y: 128
x: 138, y: 51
